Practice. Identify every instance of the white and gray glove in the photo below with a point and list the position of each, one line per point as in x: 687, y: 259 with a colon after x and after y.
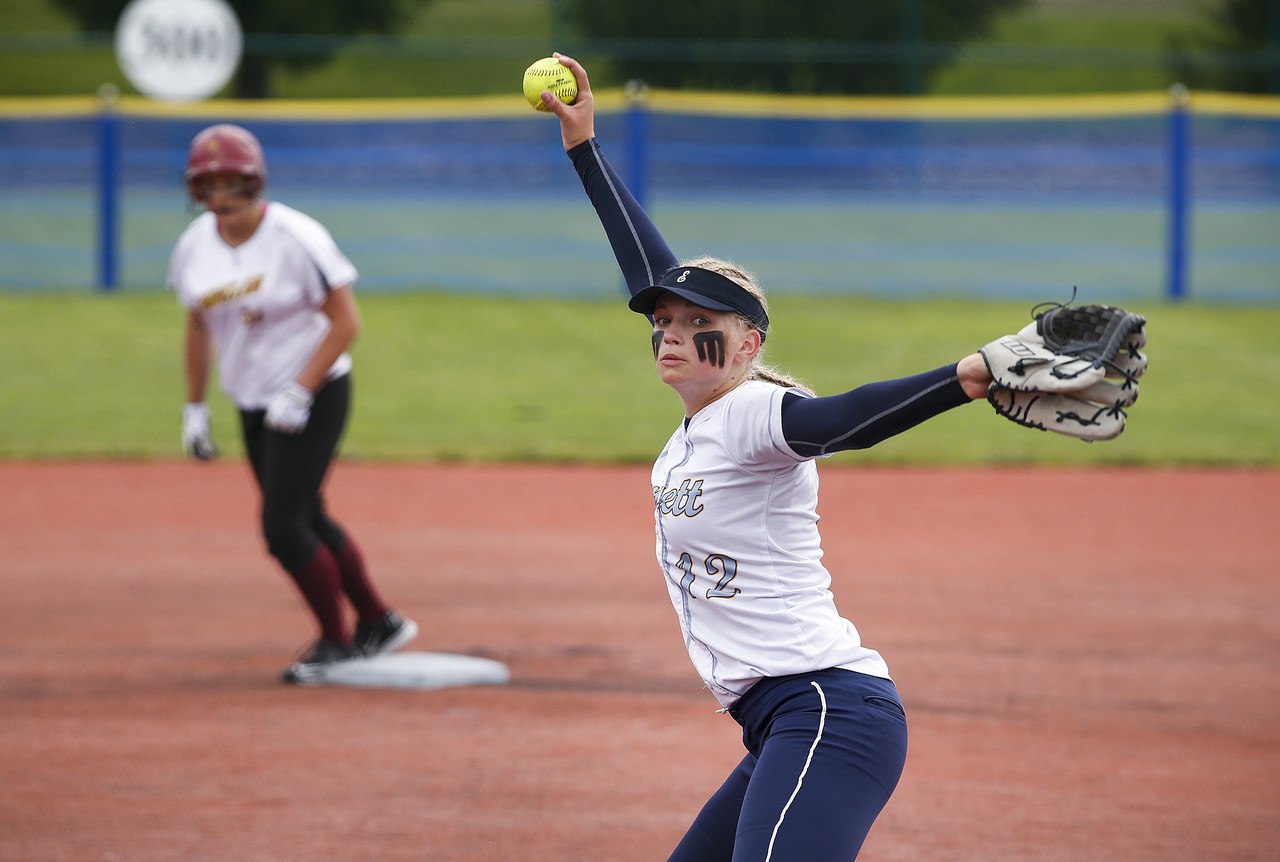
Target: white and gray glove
x: 1072, y: 370
x: 290, y: 410
x: 1062, y: 412
x: 196, y: 440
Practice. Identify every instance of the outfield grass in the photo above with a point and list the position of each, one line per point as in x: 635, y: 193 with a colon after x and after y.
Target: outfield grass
x: 447, y: 377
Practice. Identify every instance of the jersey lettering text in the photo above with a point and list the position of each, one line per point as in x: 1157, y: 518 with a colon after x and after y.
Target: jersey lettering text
x: 679, y: 501
x: 230, y: 292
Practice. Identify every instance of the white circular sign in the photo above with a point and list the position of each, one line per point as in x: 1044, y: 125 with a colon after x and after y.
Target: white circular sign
x: 178, y: 50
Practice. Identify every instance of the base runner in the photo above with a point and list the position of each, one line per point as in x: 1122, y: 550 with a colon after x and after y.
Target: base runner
x: 267, y: 287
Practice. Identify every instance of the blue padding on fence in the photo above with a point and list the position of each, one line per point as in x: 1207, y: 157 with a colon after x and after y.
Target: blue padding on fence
x: 1004, y: 207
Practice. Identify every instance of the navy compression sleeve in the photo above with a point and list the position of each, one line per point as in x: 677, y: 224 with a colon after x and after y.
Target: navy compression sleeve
x: 869, y: 414
x: 642, y: 253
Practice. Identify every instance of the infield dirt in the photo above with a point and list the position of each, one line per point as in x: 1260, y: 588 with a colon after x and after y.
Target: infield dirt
x: 1090, y: 662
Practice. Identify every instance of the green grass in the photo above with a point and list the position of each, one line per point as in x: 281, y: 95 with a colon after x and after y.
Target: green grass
x: 78, y: 68
x: 1110, y: 47
x: 447, y: 377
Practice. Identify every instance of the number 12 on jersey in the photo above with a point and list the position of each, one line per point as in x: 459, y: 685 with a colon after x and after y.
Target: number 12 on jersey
x: 717, y: 568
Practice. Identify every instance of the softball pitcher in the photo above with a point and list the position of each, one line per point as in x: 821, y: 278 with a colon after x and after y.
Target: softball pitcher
x: 266, y: 287
x: 735, y: 494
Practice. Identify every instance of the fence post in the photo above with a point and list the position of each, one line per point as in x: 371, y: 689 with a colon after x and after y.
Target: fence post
x: 636, y: 135
x: 1179, y: 193
x: 108, y: 177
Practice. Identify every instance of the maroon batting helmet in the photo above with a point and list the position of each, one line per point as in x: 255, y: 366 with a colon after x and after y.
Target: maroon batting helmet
x: 226, y: 148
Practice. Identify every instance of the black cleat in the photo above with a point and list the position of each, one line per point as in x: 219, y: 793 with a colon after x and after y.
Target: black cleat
x: 387, y: 635
x: 310, y: 669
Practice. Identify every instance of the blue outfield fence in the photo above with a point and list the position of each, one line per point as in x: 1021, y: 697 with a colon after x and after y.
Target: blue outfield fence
x: 1129, y: 196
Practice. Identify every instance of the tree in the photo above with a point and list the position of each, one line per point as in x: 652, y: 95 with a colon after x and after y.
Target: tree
x: 1244, y: 47
x: 815, y: 46
x: 263, y: 20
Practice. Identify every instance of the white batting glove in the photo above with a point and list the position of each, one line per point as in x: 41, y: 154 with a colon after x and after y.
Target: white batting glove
x: 196, y: 440
x: 289, y: 411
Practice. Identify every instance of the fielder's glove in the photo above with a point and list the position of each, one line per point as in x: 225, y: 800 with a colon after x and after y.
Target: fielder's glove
x: 289, y: 411
x: 1071, y: 370
x: 196, y: 441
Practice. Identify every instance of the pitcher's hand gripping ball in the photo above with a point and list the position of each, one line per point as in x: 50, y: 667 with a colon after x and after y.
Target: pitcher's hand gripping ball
x: 548, y: 74
x: 1072, y: 370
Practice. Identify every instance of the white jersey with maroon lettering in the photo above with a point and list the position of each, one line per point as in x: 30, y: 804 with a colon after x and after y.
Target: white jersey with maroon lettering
x: 737, y: 538
x: 261, y: 300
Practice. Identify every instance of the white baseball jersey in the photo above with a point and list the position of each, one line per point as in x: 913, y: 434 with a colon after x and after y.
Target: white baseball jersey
x: 261, y: 300
x: 737, y: 538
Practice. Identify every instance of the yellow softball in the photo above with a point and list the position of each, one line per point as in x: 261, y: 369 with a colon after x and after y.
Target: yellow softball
x: 548, y: 74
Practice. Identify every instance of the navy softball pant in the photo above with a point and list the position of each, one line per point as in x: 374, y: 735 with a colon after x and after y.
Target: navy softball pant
x: 825, y: 751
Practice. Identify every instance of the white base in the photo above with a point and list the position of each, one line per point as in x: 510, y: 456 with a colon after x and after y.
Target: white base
x: 417, y: 670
